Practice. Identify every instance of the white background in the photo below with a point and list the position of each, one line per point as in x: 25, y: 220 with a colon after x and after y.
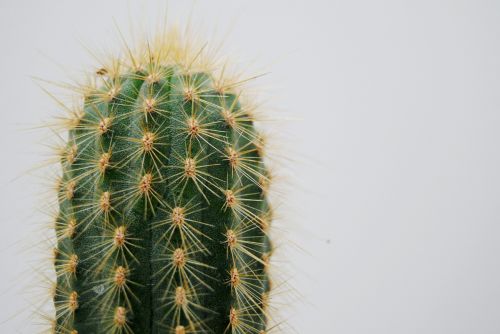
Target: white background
x: 393, y: 128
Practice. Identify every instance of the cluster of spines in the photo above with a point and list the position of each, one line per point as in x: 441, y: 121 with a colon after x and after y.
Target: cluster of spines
x: 163, y: 223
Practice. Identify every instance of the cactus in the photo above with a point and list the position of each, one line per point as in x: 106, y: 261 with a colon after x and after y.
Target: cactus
x: 163, y: 213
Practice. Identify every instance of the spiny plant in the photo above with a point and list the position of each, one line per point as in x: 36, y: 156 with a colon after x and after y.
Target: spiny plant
x: 163, y: 220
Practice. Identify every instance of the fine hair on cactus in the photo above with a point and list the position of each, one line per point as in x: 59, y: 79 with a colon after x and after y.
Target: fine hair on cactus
x: 163, y: 210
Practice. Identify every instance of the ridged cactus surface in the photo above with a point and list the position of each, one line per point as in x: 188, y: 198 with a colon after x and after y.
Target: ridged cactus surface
x: 163, y: 218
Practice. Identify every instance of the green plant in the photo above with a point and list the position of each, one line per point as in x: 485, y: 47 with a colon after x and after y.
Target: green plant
x: 163, y: 218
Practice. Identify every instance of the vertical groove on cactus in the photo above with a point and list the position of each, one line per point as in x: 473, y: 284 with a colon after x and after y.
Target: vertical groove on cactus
x: 164, y: 220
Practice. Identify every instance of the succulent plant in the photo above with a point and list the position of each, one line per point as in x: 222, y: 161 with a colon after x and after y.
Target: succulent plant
x: 163, y: 213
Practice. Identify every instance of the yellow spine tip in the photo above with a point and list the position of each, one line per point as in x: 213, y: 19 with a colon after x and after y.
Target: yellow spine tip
x: 120, y: 318
x: 73, y: 301
x: 119, y: 237
x: 230, y: 198
x: 235, y: 277
x: 190, y: 167
x: 120, y: 277
x: 148, y: 141
x: 70, y: 190
x: 104, y: 125
x: 177, y: 216
x: 233, y: 317
x: 180, y: 296
x: 146, y: 183
x: 231, y: 238
x: 193, y: 126
x: 179, y: 258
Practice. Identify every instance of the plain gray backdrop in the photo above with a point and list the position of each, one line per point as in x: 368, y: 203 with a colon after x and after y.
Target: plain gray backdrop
x: 392, y: 149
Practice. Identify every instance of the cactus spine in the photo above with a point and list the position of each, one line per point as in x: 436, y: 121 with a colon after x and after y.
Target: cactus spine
x: 163, y: 217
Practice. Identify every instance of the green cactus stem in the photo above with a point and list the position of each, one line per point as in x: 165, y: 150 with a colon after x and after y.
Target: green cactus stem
x: 163, y: 218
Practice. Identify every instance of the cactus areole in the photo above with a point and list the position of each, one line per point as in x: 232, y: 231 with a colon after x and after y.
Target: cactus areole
x: 163, y: 218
